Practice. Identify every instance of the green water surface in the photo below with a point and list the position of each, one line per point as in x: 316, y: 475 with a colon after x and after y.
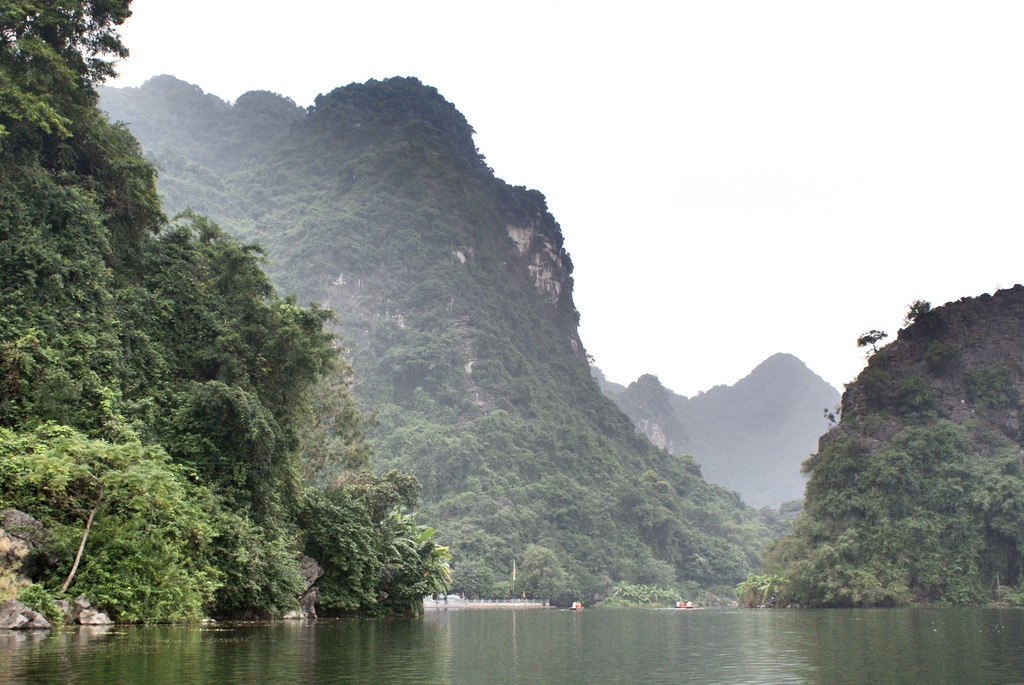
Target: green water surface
x: 544, y: 646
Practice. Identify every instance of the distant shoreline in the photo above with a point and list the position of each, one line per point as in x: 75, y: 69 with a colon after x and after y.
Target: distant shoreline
x: 459, y: 603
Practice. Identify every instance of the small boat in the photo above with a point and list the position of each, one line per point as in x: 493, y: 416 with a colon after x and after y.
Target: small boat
x: 576, y: 606
x: 684, y: 605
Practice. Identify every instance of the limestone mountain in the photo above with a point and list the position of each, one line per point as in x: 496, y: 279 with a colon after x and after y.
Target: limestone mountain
x: 453, y: 293
x: 750, y: 437
x: 651, y: 407
x: 918, y: 494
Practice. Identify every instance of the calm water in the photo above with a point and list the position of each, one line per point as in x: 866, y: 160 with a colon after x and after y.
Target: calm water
x: 545, y: 646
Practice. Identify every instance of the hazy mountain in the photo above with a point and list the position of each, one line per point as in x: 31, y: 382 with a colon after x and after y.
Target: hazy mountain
x: 918, y: 494
x: 750, y: 437
x: 453, y: 292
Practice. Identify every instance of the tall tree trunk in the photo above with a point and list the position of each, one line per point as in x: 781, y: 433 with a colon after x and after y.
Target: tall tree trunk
x: 81, y: 547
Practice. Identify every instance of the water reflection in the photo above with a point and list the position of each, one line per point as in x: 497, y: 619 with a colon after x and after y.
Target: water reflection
x: 349, y: 651
x: 627, y: 646
x: 482, y: 646
x: 917, y: 646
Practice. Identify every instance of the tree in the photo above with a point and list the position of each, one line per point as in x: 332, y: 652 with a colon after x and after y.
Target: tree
x: 473, y: 577
x: 141, y: 357
x: 83, y: 32
x: 414, y: 566
x: 375, y: 558
x: 51, y: 54
x: 335, y: 439
x: 916, y: 309
x: 543, y: 575
x: 872, y: 337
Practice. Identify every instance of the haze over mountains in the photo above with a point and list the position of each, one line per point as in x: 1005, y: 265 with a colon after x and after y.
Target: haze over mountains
x: 750, y: 437
x: 160, y: 401
x: 453, y: 292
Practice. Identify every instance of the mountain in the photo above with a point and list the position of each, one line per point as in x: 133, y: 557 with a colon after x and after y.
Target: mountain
x: 918, y: 494
x: 750, y: 437
x: 453, y: 293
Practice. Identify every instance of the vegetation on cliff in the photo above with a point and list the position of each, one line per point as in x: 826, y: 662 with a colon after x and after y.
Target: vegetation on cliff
x: 156, y: 395
x: 453, y: 294
x: 918, y: 494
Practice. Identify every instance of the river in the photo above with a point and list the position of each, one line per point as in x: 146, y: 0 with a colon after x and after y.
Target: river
x: 479, y: 646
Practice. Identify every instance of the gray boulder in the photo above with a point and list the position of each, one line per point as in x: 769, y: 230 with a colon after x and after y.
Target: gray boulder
x: 19, y: 534
x: 310, y: 570
x: 94, y: 617
x: 16, y: 616
x: 88, y: 615
x: 308, y: 600
x: 20, y: 525
x: 66, y: 610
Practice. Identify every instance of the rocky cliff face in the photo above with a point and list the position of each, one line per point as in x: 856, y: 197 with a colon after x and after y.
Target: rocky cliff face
x: 959, y: 361
x: 750, y: 437
x: 651, y: 407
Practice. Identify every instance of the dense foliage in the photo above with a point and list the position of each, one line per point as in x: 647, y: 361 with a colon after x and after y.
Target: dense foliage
x: 760, y: 590
x: 453, y: 293
x: 918, y: 495
x: 156, y: 395
x: 363, y: 512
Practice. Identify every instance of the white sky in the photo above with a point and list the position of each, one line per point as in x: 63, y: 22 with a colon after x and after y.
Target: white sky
x: 733, y: 179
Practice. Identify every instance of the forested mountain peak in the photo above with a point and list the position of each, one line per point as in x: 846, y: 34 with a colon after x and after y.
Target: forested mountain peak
x: 395, y: 109
x: 926, y: 457
x: 453, y: 293
x: 183, y: 122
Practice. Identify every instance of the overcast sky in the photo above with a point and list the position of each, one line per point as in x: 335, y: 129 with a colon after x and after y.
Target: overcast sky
x: 733, y: 179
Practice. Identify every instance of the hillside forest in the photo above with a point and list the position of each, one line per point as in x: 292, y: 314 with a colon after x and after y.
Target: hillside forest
x: 452, y: 293
x: 158, y: 399
x: 184, y: 441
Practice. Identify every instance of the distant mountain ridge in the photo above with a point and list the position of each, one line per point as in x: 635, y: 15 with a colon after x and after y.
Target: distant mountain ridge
x: 750, y: 437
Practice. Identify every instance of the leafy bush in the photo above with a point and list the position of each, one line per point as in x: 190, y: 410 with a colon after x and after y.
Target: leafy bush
x: 37, y: 597
x: 914, y: 396
x: 941, y: 357
x: 145, y: 526
x: 879, y: 387
x: 760, y: 590
x: 992, y: 387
